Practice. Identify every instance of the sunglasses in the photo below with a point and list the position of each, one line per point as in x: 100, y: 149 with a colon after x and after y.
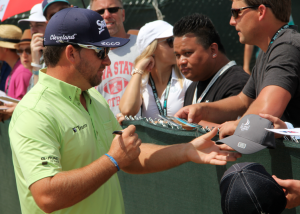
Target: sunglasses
x: 235, y: 12
x: 101, y: 52
x: 21, y: 51
x: 169, y: 41
x: 110, y: 10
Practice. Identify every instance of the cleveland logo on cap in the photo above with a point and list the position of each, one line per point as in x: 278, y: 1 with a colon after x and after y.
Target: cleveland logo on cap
x: 102, y: 25
x: 63, y: 37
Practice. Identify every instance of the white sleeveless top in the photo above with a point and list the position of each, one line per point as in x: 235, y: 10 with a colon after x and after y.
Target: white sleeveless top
x: 175, y: 99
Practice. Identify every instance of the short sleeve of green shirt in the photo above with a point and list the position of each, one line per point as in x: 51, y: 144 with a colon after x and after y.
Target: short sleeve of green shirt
x: 35, y: 144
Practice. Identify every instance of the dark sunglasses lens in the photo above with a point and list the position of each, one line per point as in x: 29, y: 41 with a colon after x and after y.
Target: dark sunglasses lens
x: 103, y: 53
x: 27, y: 51
x: 170, y: 41
x: 101, y: 12
x: 110, y: 10
x: 100, y: 54
x: 113, y: 9
x: 235, y: 13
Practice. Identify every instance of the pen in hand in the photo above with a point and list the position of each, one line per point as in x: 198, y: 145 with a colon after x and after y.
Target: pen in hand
x: 118, y: 132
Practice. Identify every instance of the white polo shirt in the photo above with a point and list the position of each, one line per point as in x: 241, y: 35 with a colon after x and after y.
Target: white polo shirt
x: 175, y: 99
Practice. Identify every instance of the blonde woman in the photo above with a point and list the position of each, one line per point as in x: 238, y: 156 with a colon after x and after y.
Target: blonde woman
x: 156, y: 86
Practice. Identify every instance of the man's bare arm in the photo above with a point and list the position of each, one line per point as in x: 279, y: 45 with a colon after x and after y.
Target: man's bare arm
x: 203, y: 150
x: 68, y: 188
x: 216, y: 112
x: 272, y: 100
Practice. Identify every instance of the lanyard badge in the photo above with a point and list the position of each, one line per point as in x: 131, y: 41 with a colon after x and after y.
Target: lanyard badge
x: 162, y: 111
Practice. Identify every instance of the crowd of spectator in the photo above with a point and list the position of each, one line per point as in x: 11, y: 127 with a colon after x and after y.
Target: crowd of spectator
x: 180, y: 71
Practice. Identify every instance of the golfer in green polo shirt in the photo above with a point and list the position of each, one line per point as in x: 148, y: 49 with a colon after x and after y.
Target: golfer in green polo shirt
x: 65, y: 156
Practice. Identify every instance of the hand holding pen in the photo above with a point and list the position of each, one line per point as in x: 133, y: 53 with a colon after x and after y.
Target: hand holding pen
x: 118, y: 132
x: 125, y: 147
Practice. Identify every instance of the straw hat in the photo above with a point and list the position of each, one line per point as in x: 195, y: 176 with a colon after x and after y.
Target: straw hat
x: 10, y: 35
x: 26, y: 38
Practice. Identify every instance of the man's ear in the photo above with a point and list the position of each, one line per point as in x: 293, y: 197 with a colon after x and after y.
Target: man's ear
x: 123, y: 15
x: 214, y: 49
x: 72, y: 54
x: 262, y: 9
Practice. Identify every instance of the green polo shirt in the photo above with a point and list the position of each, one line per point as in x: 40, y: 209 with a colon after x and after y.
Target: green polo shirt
x: 51, y: 132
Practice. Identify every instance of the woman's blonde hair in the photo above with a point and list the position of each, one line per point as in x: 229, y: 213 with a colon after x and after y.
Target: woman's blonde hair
x: 149, y: 51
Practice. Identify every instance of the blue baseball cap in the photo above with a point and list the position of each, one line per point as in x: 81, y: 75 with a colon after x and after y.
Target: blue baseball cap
x: 47, y: 3
x: 78, y: 25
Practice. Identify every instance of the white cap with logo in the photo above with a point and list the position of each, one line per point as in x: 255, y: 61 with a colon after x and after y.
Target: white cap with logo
x: 153, y: 30
x: 36, y: 14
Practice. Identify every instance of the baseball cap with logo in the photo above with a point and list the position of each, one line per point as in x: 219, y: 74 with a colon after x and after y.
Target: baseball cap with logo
x: 47, y: 3
x: 81, y: 26
x: 251, y: 135
x: 248, y: 188
x: 153, y: 30
x: 36, y: 14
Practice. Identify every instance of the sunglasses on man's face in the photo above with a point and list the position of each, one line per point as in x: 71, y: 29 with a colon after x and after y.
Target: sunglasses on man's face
x: 101, y: 52
x: 169, y: 41
x: 110, y: 10
x: 236, y: 12
x: 21, y: 51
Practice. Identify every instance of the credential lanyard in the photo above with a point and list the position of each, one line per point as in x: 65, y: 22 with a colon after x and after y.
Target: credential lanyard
x: 214, y: 79
x: 8, y: 83
x: 277, y: 33
x: 162, y: 111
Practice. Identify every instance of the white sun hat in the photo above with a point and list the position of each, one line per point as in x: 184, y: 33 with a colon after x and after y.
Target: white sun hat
x: 36, y: 14
x: 153, y: 30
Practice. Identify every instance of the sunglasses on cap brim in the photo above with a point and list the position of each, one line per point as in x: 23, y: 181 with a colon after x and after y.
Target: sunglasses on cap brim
x: 102, y: 52
x: 169, y: 41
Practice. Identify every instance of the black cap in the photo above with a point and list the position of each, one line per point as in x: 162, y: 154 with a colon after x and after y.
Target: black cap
x: 251, y: 135
x: 248, y: 188
x: 78, y: 25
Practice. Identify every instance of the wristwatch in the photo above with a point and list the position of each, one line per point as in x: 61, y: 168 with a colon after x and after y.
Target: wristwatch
x: 137, y: 71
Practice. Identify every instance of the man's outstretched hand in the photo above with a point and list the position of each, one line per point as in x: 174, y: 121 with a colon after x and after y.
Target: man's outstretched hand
x: 278, y: 124
x: 204, y: 150
x: 190, y: 113
x: 228, y: 128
